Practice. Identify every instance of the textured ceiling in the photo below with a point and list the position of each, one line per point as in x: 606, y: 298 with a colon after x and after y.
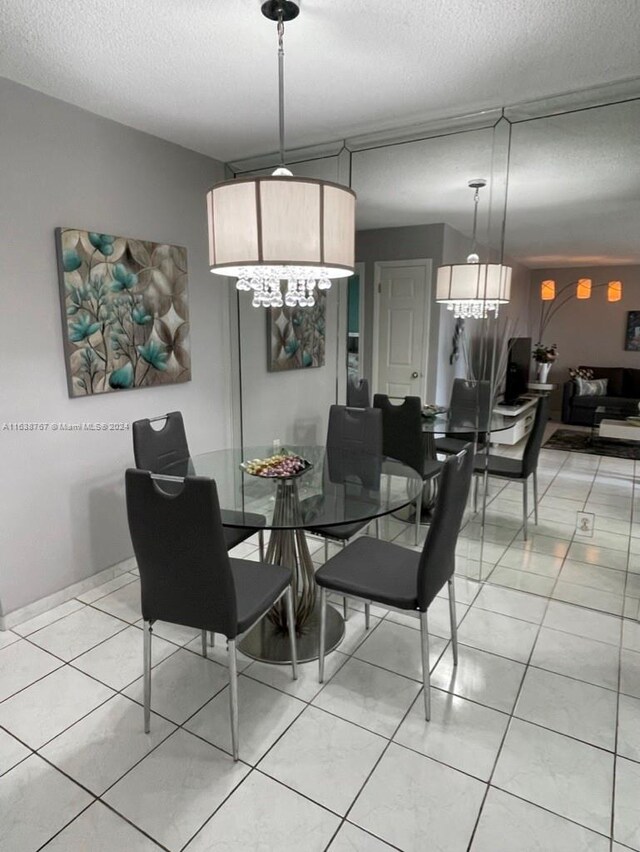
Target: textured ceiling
x: 202, y: 73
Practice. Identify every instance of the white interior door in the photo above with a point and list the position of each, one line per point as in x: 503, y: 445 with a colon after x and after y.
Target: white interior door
x: 402, y: 327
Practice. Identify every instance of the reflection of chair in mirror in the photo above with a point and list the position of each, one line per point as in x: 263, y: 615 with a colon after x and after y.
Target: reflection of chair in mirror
x: 187, y: 577
x: 470, y: 405
x: 374, y: 570
x: 404, y: 440
x: 358, y: 393
x: 358, y: 430
x: 519, y: 470
x: 166, y: 451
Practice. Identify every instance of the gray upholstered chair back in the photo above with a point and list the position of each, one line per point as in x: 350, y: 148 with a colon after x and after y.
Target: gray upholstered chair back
x: 355, y: 429
x: 179, y: 544
x: 437, y: 562
x: 358, y: 393
x: 161, y: 450
x: 402, y: 436
x: 536, y: 436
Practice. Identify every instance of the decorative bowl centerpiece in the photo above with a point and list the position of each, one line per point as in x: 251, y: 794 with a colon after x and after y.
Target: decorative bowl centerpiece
x: 282, y: 465
x: 431, y: 411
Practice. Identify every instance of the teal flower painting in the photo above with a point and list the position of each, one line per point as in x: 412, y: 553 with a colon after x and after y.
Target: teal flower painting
x: 125, y: 312
x: 297, y: 336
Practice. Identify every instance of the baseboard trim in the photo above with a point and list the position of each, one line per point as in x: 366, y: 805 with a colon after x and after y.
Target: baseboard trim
x: 11, y: 619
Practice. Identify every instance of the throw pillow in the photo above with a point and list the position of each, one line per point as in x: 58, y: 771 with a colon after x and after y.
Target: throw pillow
x: 581, y: 372
x: 595, y: 387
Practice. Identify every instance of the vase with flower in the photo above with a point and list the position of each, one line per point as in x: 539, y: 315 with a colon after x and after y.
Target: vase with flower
x: 544, y: 356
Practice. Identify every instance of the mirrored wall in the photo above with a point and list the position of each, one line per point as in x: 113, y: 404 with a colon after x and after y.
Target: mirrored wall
x: 559, y: 202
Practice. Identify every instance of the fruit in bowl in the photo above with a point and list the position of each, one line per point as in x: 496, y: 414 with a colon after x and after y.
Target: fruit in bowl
x: 281, y: 465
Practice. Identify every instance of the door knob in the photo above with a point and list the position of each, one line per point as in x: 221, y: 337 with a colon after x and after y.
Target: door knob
x: 415, y: 374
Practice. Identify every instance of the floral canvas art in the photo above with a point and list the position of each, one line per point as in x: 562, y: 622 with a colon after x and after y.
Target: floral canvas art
x: 296, y: 336
x: 125, y: 312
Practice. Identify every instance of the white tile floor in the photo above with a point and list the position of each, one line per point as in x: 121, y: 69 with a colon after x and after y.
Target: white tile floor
x: 534, y: 741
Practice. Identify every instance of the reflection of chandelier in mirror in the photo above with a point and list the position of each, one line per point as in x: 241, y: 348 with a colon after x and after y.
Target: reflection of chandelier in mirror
x: 472, y: 289
x: 263, y: 230
x: 583, y: 290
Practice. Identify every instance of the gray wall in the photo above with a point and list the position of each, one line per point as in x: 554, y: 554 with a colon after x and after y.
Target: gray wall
x: 587, y: 331
x: 62, y: 499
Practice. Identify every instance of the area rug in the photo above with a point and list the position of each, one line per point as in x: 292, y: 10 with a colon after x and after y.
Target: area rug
x: 581, y: 442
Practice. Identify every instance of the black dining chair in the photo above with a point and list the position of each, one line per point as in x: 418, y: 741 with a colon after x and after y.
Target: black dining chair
x: 187, y: 576
x: 358, y: 393
x: 166, y: 450
x: 519, y: 470
x: 371, y: 569
x: 470, y: 404
x: 404, y: 440
x: 350, y: 429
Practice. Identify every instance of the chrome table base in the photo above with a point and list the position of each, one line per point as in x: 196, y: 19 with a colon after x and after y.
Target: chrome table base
x: 268, y: 641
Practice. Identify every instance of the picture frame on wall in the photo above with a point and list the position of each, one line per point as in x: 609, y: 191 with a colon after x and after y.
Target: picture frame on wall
x: 632, y: 336
x: 125, y: 312
x: 296, y: 337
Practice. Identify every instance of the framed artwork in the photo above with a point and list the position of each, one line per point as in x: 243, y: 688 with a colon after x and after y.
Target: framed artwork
x: 125, y: 312
x: 296, y: 336
x: 632, y: 337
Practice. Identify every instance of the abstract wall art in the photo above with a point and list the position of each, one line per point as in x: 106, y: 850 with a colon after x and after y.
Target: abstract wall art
x: 296, y: 336
x: 125, y: 312
x: 632, y: 336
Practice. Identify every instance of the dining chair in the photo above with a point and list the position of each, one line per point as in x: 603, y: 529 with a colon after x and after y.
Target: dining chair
x: 519, y: 470
x: 371, y: 569
x: 166, y: 450
x: 470, y: 403
x: 187, y: 576
x: 358, y: 393
x: 350, y: 429
x: 404, y: 440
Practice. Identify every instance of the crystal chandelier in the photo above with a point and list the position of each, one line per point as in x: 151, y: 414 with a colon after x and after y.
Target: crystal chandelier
x: 472, y: 290
x: 266, y: 230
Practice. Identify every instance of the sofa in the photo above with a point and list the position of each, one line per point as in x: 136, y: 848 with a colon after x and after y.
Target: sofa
x: 623, y: 395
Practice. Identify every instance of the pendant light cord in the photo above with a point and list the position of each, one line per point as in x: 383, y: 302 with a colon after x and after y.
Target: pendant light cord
x: 476, y: 200
x: 281, y: 84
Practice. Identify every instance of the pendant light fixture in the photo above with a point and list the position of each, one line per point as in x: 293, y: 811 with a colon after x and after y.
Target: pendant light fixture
x: 472, y: 289
x: 265, y: 230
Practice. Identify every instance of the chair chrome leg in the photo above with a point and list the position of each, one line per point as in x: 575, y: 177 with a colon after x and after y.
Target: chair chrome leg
x: 452, y: 617
x: 525, y: 508
x: 323, y: 633
x: 535, y: 497
x: 367, y: 616
x: 345, y: 602
x: 377, y: 527
x: 203, y: 636
x: 291, y: 620
x: 326, y: 550
x: 212, y: 639
x: 426, y: 677
x: 261, y: 545
x: 476, y: 483
x: 233, y: 695
x: 418, y: 511
x: 146, y: 665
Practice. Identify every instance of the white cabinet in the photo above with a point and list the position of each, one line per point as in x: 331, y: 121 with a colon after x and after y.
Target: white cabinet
x: 521, y: 417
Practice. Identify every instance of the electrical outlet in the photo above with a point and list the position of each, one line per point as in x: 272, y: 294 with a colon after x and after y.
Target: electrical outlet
x: 585, y: 523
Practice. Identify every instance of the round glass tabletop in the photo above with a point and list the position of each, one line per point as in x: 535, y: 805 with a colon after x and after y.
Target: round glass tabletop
x: 465, y: 423
x: 339, y: 488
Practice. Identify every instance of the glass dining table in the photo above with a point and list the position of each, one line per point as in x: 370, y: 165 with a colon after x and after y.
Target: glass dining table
x: 339, y: 488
